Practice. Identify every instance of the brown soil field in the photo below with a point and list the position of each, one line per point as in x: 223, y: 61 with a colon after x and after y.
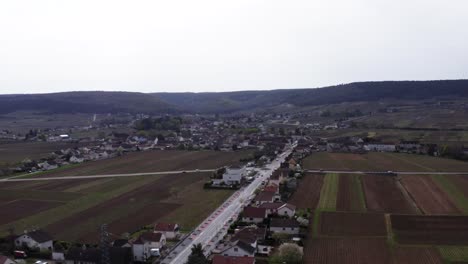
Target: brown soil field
x: 349, y: 196
x: 352, y: 224
x: 307, y: 194
x: 132, y: 222
x: 378, y: 161
x: 86, y: 223
x: 15, y: 210
x: 431, y: 199
x: 383, y: 195
x: 417, y: 255
x: 151, y: 161
x: 462, y: 182
x: 59, y: 185
x: 435, y: 230
x: 347, y: 250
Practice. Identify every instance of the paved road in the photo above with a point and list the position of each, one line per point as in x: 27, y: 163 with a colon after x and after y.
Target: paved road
x: 215, y: 226
x: 392, y: 172
x: 13, y: 179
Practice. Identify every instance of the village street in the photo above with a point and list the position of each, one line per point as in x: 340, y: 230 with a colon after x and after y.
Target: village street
x: 215, y: 226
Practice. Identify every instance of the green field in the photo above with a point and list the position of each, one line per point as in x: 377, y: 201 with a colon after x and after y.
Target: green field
x: 378, y: 161
x: 329, y: 192
x: 454, y: 254
x: 358, y: 204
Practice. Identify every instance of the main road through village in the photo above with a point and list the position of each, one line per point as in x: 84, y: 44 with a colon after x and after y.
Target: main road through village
x: 215, y: 227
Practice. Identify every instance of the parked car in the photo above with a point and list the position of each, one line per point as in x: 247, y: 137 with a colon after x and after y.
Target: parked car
x: 20, y: 254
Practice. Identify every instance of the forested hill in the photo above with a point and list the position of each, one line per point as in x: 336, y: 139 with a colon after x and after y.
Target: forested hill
x: 85, y: 102
x: 104, y: 102
x: 362, y: 91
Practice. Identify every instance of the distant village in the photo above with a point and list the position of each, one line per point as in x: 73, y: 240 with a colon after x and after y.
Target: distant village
x: 263, y: 133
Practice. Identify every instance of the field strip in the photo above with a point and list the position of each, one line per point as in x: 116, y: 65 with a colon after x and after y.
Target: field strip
x: 452, y: 191
x: 357, y: 185
x: 408, y: 196
x: 105, y: 176
x: 329, y: 192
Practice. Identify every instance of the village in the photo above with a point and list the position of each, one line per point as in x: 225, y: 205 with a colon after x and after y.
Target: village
x: 263, y: 225
x: 257, y: 132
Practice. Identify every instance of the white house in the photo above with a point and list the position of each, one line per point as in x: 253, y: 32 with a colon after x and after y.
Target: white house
x: 233, y: 175
x: 285, y: 226
x: 76, y: 159
x: 380, y: 147
x: 142, y: 247
x: 239, y: 249
x: 288, y: 210
x: 35, y: 240
x: 170, y: 231
x: 48, y: 165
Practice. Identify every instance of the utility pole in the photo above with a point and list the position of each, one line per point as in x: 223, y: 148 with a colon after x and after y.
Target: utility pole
x: 104, y: 245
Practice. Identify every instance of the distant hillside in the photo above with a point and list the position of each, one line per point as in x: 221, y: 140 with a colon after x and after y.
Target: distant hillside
x: 112, y: 102
x: 354, y: 92
x: 84, y: 102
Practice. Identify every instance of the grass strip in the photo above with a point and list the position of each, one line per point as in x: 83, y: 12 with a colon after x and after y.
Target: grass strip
x: 329, y: 192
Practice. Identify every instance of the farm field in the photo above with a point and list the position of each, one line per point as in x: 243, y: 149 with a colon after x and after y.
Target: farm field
x: 429, y: 196
x: 347, y: 250
x: 307, y: 194
x: 125, y: 204
x: 454, y: 254
x: 378, y: 161
x: 455, y: 186
x: 382, y: 194
x: 417, y: 255
x: 329, y: 192
x: 430, y: 230
x: 352, y: 224
x: 350, y: 194
x: 151, y: 161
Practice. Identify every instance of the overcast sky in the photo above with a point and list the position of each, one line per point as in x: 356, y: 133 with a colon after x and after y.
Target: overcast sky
x: 170, y: 45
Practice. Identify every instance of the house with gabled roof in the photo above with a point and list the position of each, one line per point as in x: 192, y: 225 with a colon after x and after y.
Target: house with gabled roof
x: 36, y: 239
x: 170, y: 230
x: 239, y: 248
x: 264, y: 197
x: 284, y: 225
x: 271, y: 208
x: 287, y: 209
x: 145, y: 244
x: 253, y: 215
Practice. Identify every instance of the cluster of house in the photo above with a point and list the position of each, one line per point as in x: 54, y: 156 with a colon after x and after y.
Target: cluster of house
x: 362, y: 145
x: 147, y: 245
x: 257, y: 225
